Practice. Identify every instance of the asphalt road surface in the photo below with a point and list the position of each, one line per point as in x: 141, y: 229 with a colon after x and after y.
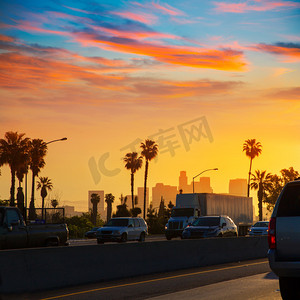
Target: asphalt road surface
x: 242, y: 280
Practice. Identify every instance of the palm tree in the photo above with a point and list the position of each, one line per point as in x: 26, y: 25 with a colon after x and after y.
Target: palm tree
x: 149, y: 151
x: 262, y: 182
x: 44, y: 184
x: 252, y: 149
x: 21, y: 171
x: 109, y: 199
x: 13, y: 151
x: 133, y: 162
x: 95, y: 199
x: 38, y: 150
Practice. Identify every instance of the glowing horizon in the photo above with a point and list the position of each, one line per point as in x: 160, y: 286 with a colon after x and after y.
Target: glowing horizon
x: 108, y: 75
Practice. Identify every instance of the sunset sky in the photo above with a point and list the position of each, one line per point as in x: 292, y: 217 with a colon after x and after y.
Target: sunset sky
x: 198, y: 77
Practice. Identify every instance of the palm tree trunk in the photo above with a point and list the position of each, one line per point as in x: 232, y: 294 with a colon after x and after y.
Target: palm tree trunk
x: 12, y: 188
x: 145, y: 188
x: 32, y: 214
x: 109, y: 209
x: 248, y: 190
x: 260, y: 200
x: 132, y: 189
x: 43, y: 201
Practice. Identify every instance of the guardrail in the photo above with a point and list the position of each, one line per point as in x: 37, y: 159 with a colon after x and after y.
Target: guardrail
x: 29, y: 270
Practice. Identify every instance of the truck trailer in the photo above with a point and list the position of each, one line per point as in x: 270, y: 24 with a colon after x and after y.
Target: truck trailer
x: 191, y: 206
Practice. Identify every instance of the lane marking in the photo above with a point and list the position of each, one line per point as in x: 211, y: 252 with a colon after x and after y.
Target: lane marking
x: 153, y: 280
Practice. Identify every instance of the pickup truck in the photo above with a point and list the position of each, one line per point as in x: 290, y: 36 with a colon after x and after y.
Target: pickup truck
x: 14, y: 233
x: 284, y: 240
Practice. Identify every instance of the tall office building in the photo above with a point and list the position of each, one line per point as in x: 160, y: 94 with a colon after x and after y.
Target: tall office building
x: 167, y: 192
x: 238, y: 187
x: 183, y: 182
x: 100, y: 206
x: 202, y: 185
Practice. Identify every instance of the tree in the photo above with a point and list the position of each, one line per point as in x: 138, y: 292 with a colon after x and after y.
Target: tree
x: 78, y: 225
x: 289, y: 175
x: 13, y: 151
x: 109, y: 199
x: 135, y: 211
x: 261, y: 181
x: 95, y: 199
x: 122, y: 210
x: 38, y: 150
x: 274, y: 190
x: 21, y: 171
x: 149, y: 151
x: 44, y: 184
x: 252, y: 149
x: 277, y: 184
x: 133, y: 162
x: 54, y: 203
x: 169, y: 210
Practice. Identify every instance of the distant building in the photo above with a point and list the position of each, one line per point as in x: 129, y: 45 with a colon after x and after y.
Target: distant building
x: 100, y: 206
x: 129, y: 202
x: 183, y: 182
x: 200, y: 186
x: 168, y: 193
x: 70, y: 211
x: 238, y: 187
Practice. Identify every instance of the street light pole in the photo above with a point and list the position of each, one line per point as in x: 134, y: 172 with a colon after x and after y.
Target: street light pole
x: 215, y: 169
x: 57, y: 140
x: 62, y: 139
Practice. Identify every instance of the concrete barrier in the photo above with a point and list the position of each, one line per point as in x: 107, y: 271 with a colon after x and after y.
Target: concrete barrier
x: 29, y: 270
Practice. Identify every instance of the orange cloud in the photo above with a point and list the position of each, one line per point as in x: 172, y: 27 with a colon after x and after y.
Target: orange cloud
x: 289, y: 50
x: 257, y: 6
x: 131, y: 41
x: 225, y: 59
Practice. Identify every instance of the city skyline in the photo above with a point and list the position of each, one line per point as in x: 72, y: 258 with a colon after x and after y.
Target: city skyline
x: 237, y: 187
x: 197, y: 77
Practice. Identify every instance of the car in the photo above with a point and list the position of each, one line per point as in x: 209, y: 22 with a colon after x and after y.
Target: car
x: 284, y: 240
x: 259, y: 228
x: 123, y: 229
x: 210, y: 226
x: 91, y: 234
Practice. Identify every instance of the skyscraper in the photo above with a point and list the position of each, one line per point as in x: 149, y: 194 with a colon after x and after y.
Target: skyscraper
x: 238, y: 187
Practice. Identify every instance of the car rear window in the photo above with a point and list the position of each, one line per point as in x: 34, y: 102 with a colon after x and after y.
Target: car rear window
x: 289, y: 205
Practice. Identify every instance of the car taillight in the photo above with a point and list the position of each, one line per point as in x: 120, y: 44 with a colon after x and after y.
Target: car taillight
x: 272, y: 234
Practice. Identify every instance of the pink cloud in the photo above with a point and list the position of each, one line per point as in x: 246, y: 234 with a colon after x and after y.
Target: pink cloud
x: 140, y: 17
x: 168, y: 9
x: 258, y: 6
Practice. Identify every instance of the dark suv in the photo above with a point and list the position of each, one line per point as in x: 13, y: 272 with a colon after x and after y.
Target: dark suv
x: 210, y: 226
x: 122, y: 230
x: 284, y: 240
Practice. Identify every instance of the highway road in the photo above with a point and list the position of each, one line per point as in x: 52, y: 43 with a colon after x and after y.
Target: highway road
x: 242, y: 280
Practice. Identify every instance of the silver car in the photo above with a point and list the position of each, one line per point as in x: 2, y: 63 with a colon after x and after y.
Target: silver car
x: 122, y: 230
x: 284, y: 240
x: 259, y: 228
